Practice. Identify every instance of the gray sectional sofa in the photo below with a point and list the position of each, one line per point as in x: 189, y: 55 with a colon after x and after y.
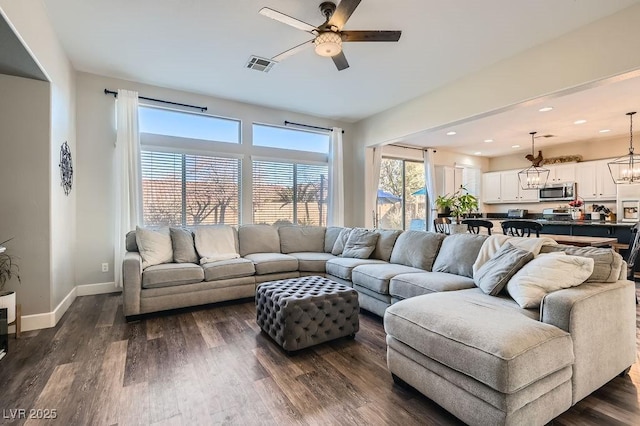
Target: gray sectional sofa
x: 483, y: 358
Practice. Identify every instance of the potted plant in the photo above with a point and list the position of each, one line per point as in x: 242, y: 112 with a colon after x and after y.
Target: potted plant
x: 460, y: 203
x: 8, y: 270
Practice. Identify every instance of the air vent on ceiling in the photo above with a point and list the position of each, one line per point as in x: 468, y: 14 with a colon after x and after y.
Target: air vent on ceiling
x: 260, y: 64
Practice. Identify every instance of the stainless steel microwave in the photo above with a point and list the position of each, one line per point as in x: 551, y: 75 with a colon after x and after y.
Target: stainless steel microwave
x: 558, y: 192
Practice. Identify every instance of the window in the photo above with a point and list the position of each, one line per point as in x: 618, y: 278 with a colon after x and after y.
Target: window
x: 169, y: 122
x: 290, y: 193
x: 187, y: 190
x: 401, y: 195
x: 300, y: 140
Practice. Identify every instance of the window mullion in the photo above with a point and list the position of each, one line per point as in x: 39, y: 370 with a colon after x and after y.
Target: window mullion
x: 295, y: 194
x: 184, y: 189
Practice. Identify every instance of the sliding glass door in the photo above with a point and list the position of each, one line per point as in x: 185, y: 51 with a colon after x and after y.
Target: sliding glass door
x: 401, y: 195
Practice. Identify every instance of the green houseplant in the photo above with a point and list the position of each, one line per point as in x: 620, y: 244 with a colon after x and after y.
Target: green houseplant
x: 8, y: 270
x: 459, y: 203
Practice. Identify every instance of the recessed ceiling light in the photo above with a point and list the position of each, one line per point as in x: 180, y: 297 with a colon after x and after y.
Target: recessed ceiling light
x: 451, y: 133
x: 515, y: 146
x: 545, y: 109
x: 579, y: 121
x: 477, y: 153
x: 488, y: 140
x: 605, y: 130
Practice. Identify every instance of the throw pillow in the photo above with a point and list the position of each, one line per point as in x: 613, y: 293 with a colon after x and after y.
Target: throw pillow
x: 494, y: 274
x: 184, y: 250
x: 458, y: 253
x: 216, y: 243
x: 386, y: 241
x: 545, y: 274
x: 360, y: 244
x: 154, y: 246
x: 330, y: 237
x: 607, y: 262
x: 338, y: 247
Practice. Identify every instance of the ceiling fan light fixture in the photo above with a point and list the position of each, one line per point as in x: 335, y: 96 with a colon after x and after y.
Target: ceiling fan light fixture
x: 625, y: 170
x: 328, y: 43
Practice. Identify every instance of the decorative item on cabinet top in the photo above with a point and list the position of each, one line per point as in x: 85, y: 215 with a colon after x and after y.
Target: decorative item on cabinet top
x: 563, y: 159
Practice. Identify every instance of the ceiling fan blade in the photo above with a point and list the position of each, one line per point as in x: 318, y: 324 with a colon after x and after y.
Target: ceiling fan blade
x: 286, y: 19
x: 341, y: 61
x: 284, y: 55
x: 371, y: 35
x: 342, y: 13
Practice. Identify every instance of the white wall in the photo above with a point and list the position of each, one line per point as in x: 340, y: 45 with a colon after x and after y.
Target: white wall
x: 24, y: 186
x: 31, y: 23
x: 96, y: 136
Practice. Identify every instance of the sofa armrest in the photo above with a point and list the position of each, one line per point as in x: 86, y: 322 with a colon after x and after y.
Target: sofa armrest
x: 601, y: 318
x: 131, y: 283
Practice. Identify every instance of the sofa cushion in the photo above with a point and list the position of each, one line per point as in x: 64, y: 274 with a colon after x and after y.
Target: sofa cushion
x: 184, y: 250
x: 404, y: 286
x: 360, y: 243
x: 385, y: 243
x: 272, y: 263
x: 341, y: 267
x: 458, y: 253
x: 130, y: 241
x: 417, y: 249
x: 494, y: 274
x: 215, y: 243
x: 377, y: 277
x: 170, y: 274
x: 258, y: 239
x: 545, y: 274
x: 330, y: 237
x: 154, y: 246
x: 227, y: 269
x: 341, y: 240
x: 295, y: 239
x: 489, y: 340
x: 607, y: 263
x: 312, y: 262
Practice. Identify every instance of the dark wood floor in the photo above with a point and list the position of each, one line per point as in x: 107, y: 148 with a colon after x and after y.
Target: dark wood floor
x: 213, y: 366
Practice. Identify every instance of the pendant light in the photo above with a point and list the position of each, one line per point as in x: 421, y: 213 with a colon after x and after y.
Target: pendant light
x: 625, y: 170
x: 533, y: 177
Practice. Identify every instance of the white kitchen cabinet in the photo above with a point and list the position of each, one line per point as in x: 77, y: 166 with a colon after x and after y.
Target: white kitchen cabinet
x: 448, y: 179
x: 491, y: 187
x: 561, y: 173
x: 504, y: 187
x: 594, y: 181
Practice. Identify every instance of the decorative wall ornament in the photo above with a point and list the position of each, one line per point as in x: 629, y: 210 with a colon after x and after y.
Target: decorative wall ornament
x: 563, y: 159
x: 66, y: 168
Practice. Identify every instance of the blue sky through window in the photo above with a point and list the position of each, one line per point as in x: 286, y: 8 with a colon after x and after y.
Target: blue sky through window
x: 299, y: 140
x: 168, y: 122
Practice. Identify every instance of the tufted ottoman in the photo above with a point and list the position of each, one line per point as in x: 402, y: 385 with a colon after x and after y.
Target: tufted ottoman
x: 302, y: 312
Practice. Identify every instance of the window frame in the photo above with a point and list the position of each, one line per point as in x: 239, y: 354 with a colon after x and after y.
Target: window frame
x: 316, y: 132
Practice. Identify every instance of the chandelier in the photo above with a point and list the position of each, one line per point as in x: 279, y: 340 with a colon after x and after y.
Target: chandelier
x: 533, y: 177
x: 626, y: 169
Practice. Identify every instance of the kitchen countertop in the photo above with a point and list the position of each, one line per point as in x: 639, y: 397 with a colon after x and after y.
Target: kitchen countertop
x: 571, y: 222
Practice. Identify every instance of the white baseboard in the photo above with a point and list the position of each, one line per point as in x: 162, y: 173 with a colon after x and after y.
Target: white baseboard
x: 99, y: 288
x: 50, y: 319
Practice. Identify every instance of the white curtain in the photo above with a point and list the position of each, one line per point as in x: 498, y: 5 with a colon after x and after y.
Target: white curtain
x: 372, y: 185
x: 429, y: 178
x: 128, y: 202
x: 335, y: 213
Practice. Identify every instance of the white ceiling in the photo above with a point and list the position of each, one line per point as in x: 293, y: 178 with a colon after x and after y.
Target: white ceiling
x: 202, y: 46
x: 602, y: 105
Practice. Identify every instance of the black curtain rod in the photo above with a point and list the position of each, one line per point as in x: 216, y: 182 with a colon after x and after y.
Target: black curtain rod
x: 115, y: 95
x: 286, y: 123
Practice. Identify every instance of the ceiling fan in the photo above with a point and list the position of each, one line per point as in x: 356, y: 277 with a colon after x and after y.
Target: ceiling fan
x: 328, y: 37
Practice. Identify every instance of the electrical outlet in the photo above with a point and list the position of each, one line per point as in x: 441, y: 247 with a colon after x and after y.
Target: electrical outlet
x: 105, y: 267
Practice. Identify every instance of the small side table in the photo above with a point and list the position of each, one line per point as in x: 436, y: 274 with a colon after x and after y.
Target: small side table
x: 18, y: 320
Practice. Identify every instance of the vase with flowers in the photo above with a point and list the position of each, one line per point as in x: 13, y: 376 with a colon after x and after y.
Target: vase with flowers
x: 575, y: 208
